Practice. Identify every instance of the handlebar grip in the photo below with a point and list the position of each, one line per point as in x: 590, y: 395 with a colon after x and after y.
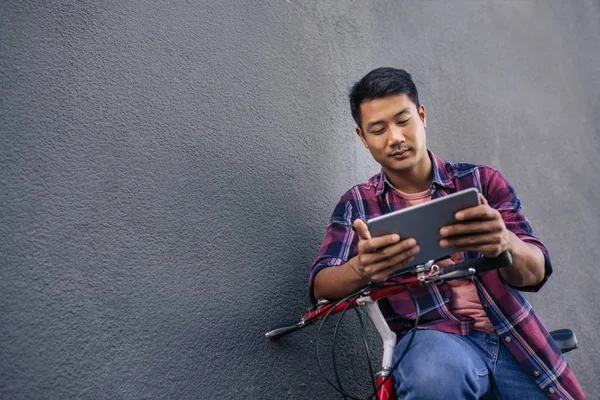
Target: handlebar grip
x: 279, y: 332
x: 504, y: 259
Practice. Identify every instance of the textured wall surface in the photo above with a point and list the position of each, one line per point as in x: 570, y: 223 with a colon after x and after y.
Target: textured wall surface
x: 167, y: 172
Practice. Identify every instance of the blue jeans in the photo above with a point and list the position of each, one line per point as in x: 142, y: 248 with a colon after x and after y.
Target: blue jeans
x: 442, y: 365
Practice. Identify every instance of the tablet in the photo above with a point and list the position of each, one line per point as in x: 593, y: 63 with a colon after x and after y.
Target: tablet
x: 423, y: 222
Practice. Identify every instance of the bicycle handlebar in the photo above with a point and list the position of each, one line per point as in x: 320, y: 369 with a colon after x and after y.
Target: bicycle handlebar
x: 480, y: 265
x: 285, y: 330
x: 421, y: 275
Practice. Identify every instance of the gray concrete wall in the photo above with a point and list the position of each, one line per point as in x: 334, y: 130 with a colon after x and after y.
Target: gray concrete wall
x: 167, y: 171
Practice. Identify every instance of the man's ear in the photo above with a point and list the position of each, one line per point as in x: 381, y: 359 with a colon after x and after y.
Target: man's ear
x: 361, y: 135
x: 422, y: 115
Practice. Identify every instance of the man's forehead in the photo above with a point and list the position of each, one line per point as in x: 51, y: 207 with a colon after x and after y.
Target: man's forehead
x: 385, y: 107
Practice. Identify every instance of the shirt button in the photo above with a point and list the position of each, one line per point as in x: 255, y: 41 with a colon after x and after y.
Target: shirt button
x: 536, y: 373
x: 507, y: 339
x: 551, y: 390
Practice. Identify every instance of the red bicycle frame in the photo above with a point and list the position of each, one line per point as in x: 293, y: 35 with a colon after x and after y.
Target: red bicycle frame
x: 425, y: 274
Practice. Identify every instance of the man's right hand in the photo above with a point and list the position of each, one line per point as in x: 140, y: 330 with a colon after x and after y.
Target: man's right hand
x: 380, y: 256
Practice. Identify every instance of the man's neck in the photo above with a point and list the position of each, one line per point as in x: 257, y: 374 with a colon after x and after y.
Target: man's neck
x: 416, y: 180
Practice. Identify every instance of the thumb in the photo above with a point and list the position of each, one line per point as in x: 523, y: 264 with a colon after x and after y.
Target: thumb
x: 483, y: 200
x: 362, y: 229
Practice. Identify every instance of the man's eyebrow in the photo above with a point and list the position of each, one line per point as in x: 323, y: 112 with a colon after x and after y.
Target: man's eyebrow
x: 403, y: 111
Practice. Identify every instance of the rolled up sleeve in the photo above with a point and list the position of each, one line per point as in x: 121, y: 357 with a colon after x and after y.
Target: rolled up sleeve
x: 502, y: 196
x: 340, y: 243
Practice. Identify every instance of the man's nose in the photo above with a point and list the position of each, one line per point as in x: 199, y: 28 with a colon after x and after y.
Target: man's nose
x: 396, y: 135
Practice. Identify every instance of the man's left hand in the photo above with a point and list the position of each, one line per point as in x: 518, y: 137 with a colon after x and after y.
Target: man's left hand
x: 480, y: 228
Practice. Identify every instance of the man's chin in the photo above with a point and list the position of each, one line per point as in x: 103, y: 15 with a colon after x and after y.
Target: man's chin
x: 400, y: 167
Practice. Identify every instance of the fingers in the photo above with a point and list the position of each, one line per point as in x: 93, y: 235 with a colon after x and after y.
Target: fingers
x: 491, y: 244
x: 490, y: 251
x: 474, y: 227
x: 362, y: 229
x: 378, y: 257
x: 482, y: 199
x: 480, y: 228
x: 471, y: 241
x: 482, y: 211
x: 379, y: 271
x: 380, y: 242
x: 385, y: 252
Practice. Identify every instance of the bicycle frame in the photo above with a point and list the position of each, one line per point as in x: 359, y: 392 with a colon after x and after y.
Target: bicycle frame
x: 384, y: 382
x: 425, y: 274
x: 367, y: 297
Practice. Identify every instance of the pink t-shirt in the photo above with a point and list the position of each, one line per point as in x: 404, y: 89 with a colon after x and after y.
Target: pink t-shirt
x: 465, y: 300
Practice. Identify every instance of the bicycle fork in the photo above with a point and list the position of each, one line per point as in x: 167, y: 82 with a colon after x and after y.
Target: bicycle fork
x: 385, y: 383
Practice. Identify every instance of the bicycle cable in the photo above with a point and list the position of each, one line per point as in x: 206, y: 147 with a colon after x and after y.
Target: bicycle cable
x: 333, y: 357
x: 366, y: 343
x: 353, y: 297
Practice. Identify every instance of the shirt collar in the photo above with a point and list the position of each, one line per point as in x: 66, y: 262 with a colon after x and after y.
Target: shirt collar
x: 443, y: 173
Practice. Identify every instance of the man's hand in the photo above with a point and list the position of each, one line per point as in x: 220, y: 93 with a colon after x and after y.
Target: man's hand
x: 378, y: 257
x: 480, y: 228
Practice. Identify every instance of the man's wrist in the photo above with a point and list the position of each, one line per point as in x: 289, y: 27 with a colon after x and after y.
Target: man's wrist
x: 525, y: 269
x: 516, y: 247
x: 354, y: 264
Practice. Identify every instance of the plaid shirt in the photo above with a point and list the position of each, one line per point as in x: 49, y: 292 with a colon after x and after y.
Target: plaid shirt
x: 509, y: 312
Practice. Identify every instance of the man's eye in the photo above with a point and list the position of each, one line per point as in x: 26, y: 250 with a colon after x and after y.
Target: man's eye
x: 403, y: 122
x: 379, y: 132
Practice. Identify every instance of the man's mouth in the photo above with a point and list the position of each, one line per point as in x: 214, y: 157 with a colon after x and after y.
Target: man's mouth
x: 399, y: 152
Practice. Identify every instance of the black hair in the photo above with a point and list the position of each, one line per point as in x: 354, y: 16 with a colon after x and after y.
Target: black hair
x: 381, y: 82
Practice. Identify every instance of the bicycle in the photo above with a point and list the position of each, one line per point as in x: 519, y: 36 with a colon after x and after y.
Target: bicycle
x: 403, y: 279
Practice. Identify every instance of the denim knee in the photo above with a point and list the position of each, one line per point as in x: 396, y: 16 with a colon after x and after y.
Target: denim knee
x: 440, y: 365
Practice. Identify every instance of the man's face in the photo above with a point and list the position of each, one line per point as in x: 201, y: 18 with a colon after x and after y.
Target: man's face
x: 393, y: 129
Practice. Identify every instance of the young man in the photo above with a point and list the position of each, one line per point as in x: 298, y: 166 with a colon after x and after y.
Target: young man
x: 475, y: 331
